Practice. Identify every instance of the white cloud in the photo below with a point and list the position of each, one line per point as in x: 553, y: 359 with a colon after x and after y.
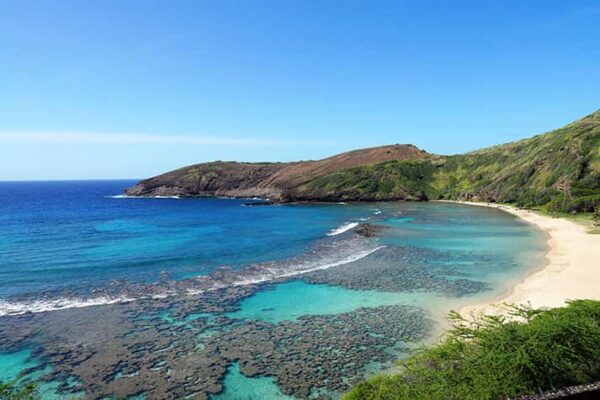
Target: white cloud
x: 135, y: 138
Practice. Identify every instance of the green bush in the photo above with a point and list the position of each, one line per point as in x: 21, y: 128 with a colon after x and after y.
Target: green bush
x: 13, y: 391
x: 497, y: 357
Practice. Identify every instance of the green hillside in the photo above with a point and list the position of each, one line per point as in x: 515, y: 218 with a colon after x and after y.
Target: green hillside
x: 391, y: 180
x: 559, y: 170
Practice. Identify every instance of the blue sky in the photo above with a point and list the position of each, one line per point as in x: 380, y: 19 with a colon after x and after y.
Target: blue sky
x: 129, y: 89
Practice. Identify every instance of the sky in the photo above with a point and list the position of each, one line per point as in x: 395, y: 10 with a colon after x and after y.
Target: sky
x: 106, y: 89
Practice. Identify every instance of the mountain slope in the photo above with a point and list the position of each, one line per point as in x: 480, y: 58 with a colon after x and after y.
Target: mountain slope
x: 560, y: 169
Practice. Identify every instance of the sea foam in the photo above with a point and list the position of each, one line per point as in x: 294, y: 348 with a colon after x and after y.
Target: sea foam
x: 306, y: 268
x: 37, y: 306
x: 343, y: 228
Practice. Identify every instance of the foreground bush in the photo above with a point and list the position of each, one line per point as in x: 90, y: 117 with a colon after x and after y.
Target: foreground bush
x: 12, y: 391
x: 497, y: 357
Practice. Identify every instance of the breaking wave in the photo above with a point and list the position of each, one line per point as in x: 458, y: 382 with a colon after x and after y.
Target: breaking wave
x: 343, y: 228
x: 37, y: 306
x: 304, y: 268
x: 327, y: 253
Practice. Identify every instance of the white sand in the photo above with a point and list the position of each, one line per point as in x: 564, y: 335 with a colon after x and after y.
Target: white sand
x: 572, y: 270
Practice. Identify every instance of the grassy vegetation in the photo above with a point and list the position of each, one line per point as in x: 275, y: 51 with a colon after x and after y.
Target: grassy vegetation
x: 498, y: 357
x: 384, y: 181
x: 559, y: 170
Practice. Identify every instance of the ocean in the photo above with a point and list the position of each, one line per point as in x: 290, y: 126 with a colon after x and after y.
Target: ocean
x: 171, y: 283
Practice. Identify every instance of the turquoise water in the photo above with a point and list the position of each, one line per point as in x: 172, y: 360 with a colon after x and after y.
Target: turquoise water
x: 74, y: 237
x: 11, y: 364
x: 239, y: 387
x: 288, y: 301
x: 509, y: 245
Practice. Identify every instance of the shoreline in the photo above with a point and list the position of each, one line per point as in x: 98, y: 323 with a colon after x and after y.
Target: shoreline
x: 571, y: 270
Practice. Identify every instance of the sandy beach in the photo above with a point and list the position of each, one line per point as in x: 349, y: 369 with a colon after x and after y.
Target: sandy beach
x: 571, y: 271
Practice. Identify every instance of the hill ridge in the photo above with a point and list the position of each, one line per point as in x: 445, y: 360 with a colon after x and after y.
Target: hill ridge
x: 559, y: 169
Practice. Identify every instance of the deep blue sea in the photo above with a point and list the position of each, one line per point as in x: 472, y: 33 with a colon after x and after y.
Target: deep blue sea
x: 70, y: 243
x: 74, y: 235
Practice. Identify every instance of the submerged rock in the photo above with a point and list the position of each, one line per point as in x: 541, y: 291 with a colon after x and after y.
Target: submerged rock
x: 369, y: 230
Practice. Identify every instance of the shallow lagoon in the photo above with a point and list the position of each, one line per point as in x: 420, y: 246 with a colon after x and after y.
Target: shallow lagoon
x: 288, y: 301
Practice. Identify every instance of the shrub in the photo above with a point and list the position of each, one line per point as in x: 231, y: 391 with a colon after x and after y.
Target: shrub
x: 498, y: 357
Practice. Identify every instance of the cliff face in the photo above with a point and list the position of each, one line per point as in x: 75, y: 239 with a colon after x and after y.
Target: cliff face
x: 560, y: 169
